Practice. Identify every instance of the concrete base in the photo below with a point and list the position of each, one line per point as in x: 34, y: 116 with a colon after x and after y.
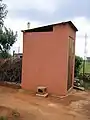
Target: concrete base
x: 42, y: 95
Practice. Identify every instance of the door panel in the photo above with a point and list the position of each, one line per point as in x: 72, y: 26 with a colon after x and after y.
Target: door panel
x: 70, y: 62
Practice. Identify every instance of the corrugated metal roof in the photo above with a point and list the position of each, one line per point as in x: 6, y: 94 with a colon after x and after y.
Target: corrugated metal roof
x: 62, y: 23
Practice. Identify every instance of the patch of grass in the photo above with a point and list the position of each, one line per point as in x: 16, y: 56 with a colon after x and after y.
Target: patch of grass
x: 87, y: 85
x: 15, y: 116
x: 87, y: 67
x: 3, y: 118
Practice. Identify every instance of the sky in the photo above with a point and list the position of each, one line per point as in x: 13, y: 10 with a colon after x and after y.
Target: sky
x: 43, y: 12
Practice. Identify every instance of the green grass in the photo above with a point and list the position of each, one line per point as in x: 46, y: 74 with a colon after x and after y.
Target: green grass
x: 3, y: 118
x: 87, y: 67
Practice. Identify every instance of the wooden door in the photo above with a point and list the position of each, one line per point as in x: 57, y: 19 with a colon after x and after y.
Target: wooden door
x: 70, y: 62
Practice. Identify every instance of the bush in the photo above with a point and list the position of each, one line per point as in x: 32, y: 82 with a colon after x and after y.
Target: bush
x: 86, y: 80
x: 10, y: 70
x: 86, y: 77
x: 78, y: 65
x: 4, y: 55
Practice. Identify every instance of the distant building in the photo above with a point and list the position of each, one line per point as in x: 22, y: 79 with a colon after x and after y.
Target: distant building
x: 17, y: 55
x: 88, y: 59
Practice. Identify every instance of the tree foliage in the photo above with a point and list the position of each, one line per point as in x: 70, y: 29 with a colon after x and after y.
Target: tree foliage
x: 7, y: 39
x: 7, y: 36
x: 78, y: 65
x: 3, y: 12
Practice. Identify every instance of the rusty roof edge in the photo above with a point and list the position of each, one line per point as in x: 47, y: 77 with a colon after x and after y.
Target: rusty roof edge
x: 67, y: 22
x: 72, y: 25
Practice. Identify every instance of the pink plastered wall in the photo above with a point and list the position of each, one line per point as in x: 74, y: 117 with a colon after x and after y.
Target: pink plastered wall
x: 45, y: 60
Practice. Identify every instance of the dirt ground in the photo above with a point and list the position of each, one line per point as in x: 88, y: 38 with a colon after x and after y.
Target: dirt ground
x: 75, y: 106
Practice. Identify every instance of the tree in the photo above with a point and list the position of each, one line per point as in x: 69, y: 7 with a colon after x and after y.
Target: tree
x: 7, y: 36
x: 3, y: 13
x: 78, y: 65
x: 7, y: 39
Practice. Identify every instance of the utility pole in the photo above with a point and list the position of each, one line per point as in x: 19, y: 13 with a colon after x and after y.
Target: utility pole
x: 18, y: 49
x: 85, y: 54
